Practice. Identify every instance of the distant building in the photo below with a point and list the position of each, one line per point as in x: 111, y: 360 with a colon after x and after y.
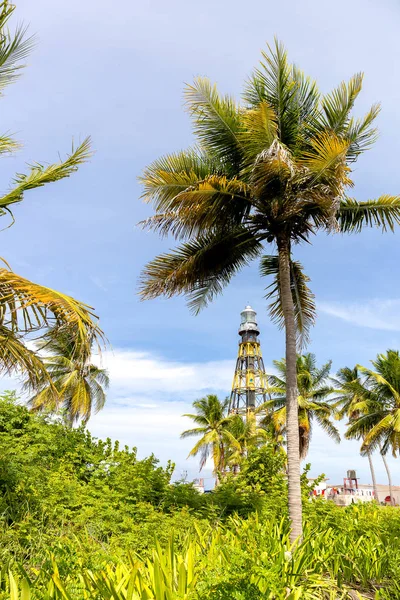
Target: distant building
x: 351, y: 491
x: 198, y: 485
x: 319, y: 488
x: 344, y: 496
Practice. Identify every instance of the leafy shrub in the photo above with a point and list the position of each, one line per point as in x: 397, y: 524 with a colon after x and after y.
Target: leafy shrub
x: 245, y: 559
x: 82, y: 518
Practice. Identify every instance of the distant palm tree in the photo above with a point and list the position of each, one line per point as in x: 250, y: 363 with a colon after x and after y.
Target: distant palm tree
x: 247, y: 433
x: 352, y: 392
x: 379, y: 421
x: 312, y: 393
x: 274, y: 170
x: 213, y: 420
x: 77, y: 387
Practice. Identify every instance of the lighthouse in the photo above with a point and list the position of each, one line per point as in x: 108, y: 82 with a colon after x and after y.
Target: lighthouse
x: 249, y: 388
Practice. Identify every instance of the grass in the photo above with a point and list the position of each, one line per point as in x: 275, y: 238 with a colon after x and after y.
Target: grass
x: 346, y: 554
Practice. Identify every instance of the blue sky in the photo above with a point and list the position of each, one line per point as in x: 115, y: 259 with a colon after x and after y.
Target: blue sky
x: 116, y: 71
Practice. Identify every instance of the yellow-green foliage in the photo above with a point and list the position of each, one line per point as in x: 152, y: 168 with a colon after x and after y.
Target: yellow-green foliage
x: 247, y: 559
x: 84, y: 520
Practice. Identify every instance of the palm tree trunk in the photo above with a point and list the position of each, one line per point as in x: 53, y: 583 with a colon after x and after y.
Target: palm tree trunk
x: 389, y: 476
x: 371, y: 467
x: 68, y: 420
x: 222, y: 460
x: 292, y: 407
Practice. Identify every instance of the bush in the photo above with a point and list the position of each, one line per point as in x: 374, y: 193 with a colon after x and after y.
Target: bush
x: 82, y: 518
x: 245, y: 559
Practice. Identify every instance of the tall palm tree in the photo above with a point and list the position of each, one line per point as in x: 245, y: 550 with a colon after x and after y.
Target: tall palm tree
x: 213, y: 420
x: 312, y: 394
x: 379, y: 420
x: 79, y: 385
x: 27, y: 307
x: 271, y: 171
x: 352, y: 392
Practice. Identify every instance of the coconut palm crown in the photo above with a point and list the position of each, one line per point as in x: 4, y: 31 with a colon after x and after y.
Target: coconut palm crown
x: 77, y: 387
x: 378, y: 422
x: 247, y: 433
x: 353, y: 398
x: 313, y: 398
x: 213, y: 420
x: 268, y: 172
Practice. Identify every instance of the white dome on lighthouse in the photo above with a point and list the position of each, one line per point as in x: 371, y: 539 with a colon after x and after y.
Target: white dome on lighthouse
x: 248, y: 320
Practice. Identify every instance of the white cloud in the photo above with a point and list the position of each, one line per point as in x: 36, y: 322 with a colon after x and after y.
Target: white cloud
x: 152, y: 430
x: 147, y: 374
x: 375, y: 314
x: 148, y: 396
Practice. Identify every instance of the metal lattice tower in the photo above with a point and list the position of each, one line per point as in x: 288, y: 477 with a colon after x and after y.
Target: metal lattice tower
x: 249, y: 386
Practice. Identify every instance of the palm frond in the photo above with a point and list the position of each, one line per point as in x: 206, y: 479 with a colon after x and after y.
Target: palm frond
x: 328, y: 427
x: 303, y: 298
x: 200, y: 268
x: 174, y: 173
x: 344, y: 376
x: 272, y: 170
x: 216, y: 121
x: 375, y: 434
x: 193, y: 432
x: 7, y: 144
x: 358, y: 428
x: 45, y: 399
x: 322, y: 373
x: 214, y: 203
x: 205, y: 441
x: 304, y: 108
x: 293, y: 96
x: 325, y: 160
x: 259, y: 129
x: 14, y: 47
x: 96, y: 394
x: 17, y: 358
x: 381, y: 381
x: 27, y: 306
x: 39, y: 175
x: 99, y: 375
x: 79, y: 387
x: 80, y: 400
x: 337, y: 105
x: 273, y: 83
x: 383, y: 213
x: 323, y: 394
x: 360, y: 133
x: 274, y: 403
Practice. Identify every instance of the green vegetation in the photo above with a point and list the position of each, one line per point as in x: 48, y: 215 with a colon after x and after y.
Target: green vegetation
x: 246, y: 560
x: 378, y: 405
x: 212, y: 417
x: 227, y: 438
x: 371, y: 400
x: 313, y: 399
x: 272, y: 171
x: 82, y: 518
